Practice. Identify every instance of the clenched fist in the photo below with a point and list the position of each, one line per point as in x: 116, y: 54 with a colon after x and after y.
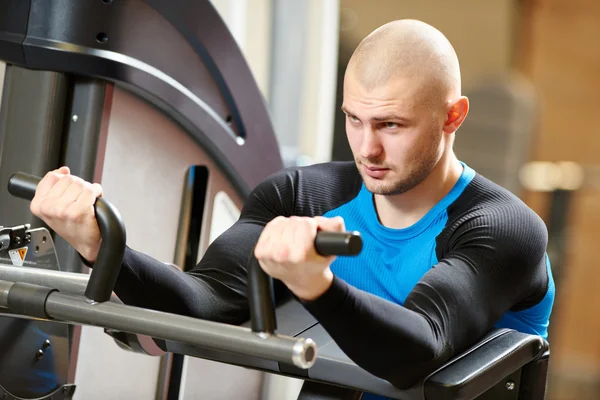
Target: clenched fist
x: 66, y: 203
x: 285, y: 251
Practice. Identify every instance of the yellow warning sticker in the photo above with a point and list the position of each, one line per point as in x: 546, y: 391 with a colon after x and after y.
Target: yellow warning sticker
x: 17, y: 256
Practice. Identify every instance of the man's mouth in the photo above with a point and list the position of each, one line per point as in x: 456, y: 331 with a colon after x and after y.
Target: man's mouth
x: 375, y: 172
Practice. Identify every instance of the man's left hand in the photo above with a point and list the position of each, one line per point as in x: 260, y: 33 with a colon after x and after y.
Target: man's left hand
x: 285, y: 251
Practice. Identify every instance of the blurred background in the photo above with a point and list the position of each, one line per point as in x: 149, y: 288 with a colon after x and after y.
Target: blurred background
x: 531, y: 70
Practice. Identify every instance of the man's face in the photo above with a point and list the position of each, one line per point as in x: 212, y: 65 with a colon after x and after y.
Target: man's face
x: 394, y: 133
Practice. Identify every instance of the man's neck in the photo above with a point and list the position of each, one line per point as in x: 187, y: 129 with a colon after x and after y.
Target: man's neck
x: 403, y: 210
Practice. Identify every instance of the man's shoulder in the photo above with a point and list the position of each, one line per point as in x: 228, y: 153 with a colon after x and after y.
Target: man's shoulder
x: 486, y: 202
x: 312, y: 189
x: 481, y: 194
x: 331, y: 172
x: 328, y: 170
x: 494, y: 229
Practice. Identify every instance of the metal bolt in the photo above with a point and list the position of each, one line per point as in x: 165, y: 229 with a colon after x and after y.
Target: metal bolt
x: 74, y: 118
x: 39, y: 354
x: 510, y: 385
x: 17, y: 240
x: 46, y: 344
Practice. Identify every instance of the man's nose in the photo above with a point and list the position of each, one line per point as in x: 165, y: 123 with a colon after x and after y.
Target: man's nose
x: 371, y: 145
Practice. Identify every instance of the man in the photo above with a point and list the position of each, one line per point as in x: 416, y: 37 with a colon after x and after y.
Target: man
x: 447, y: 254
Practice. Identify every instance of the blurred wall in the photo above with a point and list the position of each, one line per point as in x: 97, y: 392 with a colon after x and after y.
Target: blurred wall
x: 303, y: 78
x: 481, y: 31
x: 560, y: 55
x: 291, y: 48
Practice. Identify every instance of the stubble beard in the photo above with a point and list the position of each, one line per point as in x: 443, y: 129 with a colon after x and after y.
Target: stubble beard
x: 402, y: 179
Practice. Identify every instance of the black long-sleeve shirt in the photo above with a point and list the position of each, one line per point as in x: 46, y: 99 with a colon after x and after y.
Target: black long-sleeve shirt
x: 418, y: 295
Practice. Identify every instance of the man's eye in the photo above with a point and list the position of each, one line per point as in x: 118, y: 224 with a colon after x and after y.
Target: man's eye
x: 391, y: 125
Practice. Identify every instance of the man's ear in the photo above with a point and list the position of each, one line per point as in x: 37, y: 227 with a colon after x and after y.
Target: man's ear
x: 457, y: 113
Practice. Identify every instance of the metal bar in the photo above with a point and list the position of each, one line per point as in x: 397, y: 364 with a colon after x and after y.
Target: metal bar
x: 13, y: 29
x: 534, y: 377
x: 31, y: 121
x: 80, y: 147
x: 82, y: 130
x: 191, y: 220
x: 112, y: 230
x: 65, y: 282
x: 180, y: 328
x: 260, y: 285
x: 4, y: 288
x: 196, y: 332
x: 164, y: 377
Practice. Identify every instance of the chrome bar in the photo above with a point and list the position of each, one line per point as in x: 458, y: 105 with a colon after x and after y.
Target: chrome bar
x: 196, y: 332
x: 65, y: 282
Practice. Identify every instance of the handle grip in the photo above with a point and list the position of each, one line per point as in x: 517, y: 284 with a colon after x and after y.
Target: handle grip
x: 338, y: 243
x: 112, y: 230
x: 260, y: 285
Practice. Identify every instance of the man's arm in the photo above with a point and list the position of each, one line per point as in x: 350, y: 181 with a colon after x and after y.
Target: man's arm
x: 216, y: 289
x: 487, y: 271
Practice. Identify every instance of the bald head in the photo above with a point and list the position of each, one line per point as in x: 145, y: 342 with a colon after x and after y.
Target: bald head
x: 407, y: 49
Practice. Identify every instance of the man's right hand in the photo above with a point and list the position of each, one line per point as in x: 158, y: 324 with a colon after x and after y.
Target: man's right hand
x: 66, y: 203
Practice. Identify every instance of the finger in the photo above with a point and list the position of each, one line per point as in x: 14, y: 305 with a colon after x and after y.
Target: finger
x: 43, y: 189
x: 60, y: 187
x: 64, y: 170
x: 335, y: 224
x: 97, y: 189
x: 270, y: 268
x: 84, y: 205
x: 303, y: 240
x: 283, y: 240
x: 90, y: 192
x: 263, y: 245
x: 47, y: 183
x: 73, y: 191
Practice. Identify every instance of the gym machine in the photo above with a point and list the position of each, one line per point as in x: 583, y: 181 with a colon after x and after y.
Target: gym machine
x: 40, y: 293
x: 78, y: 76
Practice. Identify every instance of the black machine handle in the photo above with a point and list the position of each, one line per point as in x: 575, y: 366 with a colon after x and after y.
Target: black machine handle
x: 260, y: 285
x: 112, y: 230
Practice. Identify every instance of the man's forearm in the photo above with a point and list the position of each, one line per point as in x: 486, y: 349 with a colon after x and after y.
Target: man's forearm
x: 146, y: 282
x: 386, y: 339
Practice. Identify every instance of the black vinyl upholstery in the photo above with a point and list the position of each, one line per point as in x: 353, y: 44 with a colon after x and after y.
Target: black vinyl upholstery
x: 505, y: 364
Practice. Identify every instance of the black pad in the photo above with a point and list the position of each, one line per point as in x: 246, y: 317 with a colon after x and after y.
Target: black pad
x: 496, y: 357
x: 320, y: 391
x: 488, y: 363
x: 487, y: 366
